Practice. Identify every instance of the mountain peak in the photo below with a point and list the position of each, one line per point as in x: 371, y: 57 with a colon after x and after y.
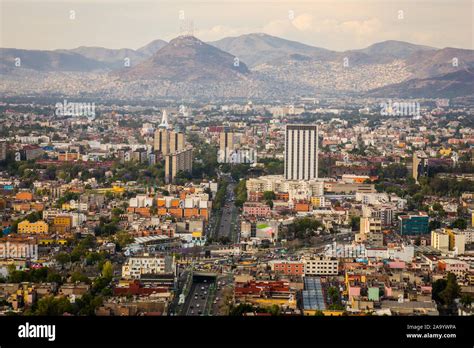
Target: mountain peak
x: 186, y: 58
x: 185, y: 39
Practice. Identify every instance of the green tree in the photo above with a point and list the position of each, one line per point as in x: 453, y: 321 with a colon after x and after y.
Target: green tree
x: 51, y: 306
x: 108, y: 270
x: 63, y: 258
x: 437, y: 287
x: 79, y: 277
x: 269, y: 195
x: 240, y: 193
x: 123, y: 238
x: 274, y: 310
x: 466, y: 300
x: 459, y: 223
x: 452, y: 290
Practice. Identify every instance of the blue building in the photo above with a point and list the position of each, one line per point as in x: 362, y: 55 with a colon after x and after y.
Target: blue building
x: 414, y: 224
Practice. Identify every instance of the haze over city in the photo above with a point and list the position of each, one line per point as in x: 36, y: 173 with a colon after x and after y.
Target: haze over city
x: 336, y: 25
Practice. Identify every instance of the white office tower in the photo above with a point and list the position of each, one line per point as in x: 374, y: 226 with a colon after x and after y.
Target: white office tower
x: 301, y: 152
x: 164, y: 121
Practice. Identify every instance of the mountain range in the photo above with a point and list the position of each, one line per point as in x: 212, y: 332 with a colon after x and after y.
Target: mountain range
x: 271, y: 63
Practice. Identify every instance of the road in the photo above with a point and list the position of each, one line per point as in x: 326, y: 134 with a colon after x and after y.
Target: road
x: 198, y: 299
x: 228, y: 222
x: 224, y: 282
x: 182, y: 281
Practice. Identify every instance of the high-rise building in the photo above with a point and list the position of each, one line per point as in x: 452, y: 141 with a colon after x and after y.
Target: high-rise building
x: 178, y: 161
x: 161, y: 141
x: 177, y: 141
x: 301, y: 152
x: 226, y: 146
x: 3, y: 150
x: 420, y: 164
x: 167, y: 141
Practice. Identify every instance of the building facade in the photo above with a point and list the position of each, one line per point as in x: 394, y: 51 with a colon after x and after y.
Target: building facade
x: 320, y: 265
x: 301, y: 152
x: 178, y: 161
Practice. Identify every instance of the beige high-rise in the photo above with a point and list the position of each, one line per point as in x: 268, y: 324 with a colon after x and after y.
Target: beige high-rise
x: 168, y: 142
x: 181, y: 160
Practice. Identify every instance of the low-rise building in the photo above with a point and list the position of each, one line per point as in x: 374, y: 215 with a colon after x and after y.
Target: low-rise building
x: 320, y: 265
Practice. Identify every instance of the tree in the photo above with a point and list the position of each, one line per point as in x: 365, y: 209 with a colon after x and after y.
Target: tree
x: 107, y: 270
x: 437, y: 287
x: 51, y: 306
x: 240, y: 193
x: 459, y: 223
x: 269, y: 195
x: 355, y: 223
x: 63, y: 258
x: 123, y: 238
x: 274, y: 310
x: 466, y: 300
x: 452, y: 290
x: 79, y: 277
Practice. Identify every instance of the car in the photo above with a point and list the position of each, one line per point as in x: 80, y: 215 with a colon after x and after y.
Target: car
x: 197, y: 305
x: 217, y: 298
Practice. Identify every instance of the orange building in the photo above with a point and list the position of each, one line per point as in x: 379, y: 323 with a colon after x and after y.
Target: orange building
x: 145, y: 211
x: 204, y: 213
x: 176, y: 212
x: 160, y: 202
x: 24, y: 196
x: 189, y: 212
x: 62, y: 223
x: 302, y: 207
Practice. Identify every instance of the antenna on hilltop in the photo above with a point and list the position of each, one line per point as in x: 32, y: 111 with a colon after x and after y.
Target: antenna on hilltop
x: 186, y: 27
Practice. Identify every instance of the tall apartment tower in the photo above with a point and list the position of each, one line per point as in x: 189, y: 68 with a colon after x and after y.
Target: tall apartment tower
x: 3, y: 150
x: 178, y: 161
x: 420, y: 165
x: 167, y: 141
x: 226, y: 146
x: 177, y: 141
x: 301, y: 152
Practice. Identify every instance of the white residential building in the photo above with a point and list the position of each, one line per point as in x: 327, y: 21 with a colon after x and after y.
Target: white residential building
x: 134, y: 267
x: 320, y: 265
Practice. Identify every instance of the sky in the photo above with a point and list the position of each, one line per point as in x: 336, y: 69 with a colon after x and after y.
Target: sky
x: 333, y: 24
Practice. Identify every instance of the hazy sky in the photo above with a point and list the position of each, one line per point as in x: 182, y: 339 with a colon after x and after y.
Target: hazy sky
x: 332, y: 24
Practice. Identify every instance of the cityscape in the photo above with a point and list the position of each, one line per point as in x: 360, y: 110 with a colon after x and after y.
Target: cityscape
x: 246, y: 175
